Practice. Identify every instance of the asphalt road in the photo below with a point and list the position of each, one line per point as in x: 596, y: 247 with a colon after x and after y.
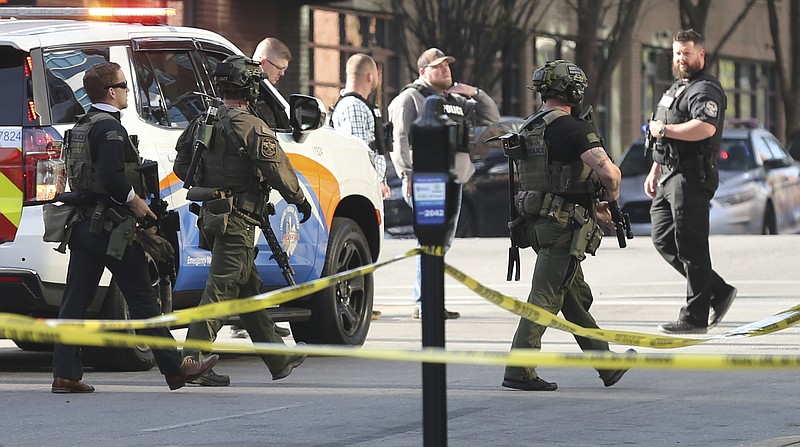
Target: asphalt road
x: 350, y: 402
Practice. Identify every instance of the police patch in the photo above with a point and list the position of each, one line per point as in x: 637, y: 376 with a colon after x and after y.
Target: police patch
x: 711, y: 109
x: 592, y: 138
x: 269, y: 148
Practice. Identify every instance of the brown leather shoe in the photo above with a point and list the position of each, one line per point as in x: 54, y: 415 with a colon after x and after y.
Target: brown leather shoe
x: 65, y: 386
x: 190, y: 370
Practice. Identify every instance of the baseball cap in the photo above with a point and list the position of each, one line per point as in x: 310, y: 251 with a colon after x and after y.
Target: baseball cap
x: 433, y: 57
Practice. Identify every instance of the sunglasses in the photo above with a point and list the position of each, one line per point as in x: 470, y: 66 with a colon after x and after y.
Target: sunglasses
x: 279, y: 68
x: 122, y: 85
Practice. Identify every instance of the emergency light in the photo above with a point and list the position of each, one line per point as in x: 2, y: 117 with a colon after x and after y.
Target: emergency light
x: 148, y: 15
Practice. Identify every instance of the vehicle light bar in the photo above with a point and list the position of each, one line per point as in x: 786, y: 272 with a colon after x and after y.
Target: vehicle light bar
x: 104, y: 13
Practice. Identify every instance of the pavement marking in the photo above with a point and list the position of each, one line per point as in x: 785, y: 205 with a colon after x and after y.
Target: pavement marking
x: 221, y: 418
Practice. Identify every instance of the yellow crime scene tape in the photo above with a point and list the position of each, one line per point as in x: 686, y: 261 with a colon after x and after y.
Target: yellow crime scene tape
x: 92, y: 333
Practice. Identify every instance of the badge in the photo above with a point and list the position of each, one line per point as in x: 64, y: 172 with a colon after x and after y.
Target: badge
x: 269, y: 147
x: 711, y: 109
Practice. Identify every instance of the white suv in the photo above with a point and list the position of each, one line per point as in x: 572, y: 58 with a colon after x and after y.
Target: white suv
x: 41, y: 69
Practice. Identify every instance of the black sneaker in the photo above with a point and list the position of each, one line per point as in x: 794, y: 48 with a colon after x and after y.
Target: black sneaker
x: 210, y: 378
x: 681, y: 327
x: 614, y: 378
x: 537, y: 384
x: 448, y: 315
x: 718, y: 310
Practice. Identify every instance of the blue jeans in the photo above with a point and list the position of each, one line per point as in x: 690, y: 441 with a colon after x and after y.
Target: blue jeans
x: 417, y: 285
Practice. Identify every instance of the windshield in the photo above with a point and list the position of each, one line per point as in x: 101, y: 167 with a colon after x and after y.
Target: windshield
x: 634, y: 162
x: 736, y: 155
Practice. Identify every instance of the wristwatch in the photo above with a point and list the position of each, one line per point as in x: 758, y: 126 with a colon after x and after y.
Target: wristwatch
x: 662, y: 131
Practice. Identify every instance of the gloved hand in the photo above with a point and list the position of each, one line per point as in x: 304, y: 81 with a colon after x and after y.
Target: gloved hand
x: 305, y: 209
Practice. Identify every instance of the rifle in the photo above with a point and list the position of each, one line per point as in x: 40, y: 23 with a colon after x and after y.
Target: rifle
x: 280, y: 256
x: 511, y: 145
x: 204, y: 132
x: 166, y: 221
x: 622, y: 221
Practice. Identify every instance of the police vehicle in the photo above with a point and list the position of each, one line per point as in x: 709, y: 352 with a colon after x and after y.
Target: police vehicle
x: 42, y: 62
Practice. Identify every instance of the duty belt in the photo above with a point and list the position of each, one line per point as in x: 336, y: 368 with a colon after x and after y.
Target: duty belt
x: 555, y: 208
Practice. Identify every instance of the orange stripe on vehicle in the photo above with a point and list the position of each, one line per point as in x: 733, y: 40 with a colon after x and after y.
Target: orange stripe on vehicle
x: 327, y: 190
x: 168, y: 181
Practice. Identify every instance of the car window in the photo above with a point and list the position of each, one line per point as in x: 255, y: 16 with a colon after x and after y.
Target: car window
x: 634, y: 162
x: 64, y: 72
x: 777, y: 152
x: 12, y: 86
x: 735, y: 155
x: 167, y: 83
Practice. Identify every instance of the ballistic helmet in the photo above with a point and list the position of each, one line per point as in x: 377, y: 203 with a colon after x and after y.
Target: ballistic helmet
x: 560, y: 79
x: 238, y: 77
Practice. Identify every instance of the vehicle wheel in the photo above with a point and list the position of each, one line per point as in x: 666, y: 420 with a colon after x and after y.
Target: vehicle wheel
x: 139, y: 358
x: 341, y: 314
x: 770, y: 225
x: 466, y: 221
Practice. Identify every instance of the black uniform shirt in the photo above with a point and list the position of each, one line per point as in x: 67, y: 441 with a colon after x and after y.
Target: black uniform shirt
x: 567, y: 139
x: 108, y: 143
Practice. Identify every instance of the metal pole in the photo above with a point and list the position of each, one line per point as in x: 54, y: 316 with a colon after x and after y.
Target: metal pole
x: 434, y: 382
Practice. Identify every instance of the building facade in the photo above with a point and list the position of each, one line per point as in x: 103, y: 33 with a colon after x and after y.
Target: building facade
x: 323, y: 34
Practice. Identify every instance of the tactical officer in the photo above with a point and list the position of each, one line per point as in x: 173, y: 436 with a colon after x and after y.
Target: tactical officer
x: 562, y: 165
x: 465, y: 104
x: 683, y: 179
x: 242, y: 162
x: 101, y: 161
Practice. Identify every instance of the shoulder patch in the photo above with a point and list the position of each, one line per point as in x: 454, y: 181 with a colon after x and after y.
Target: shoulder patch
x: 113, y: 135
x: 268, y: 148
x: 592, y: 137
x: 711, y: 108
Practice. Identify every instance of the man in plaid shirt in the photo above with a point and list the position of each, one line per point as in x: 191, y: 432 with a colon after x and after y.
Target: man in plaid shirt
x: 354, y: 114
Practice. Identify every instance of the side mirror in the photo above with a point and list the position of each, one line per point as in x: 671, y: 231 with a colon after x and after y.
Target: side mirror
x: 306, y: 113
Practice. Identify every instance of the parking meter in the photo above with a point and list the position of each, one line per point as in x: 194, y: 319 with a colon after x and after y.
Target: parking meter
x: 436, y: 197
x: 436, y: 194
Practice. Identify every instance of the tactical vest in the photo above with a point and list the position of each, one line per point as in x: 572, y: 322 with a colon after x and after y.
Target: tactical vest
x: 225, y: 164
x: 673, y: 108
x: 455, y: 112
x: 538, y: 173
x: 382, y: 144
x: 81, y: 171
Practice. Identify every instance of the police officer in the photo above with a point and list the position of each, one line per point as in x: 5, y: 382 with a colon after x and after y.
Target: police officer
x: 100, y: 162
x: 465, y: 104
x: 244, y: 160
x: 682, y: 181
x: 562, y: 165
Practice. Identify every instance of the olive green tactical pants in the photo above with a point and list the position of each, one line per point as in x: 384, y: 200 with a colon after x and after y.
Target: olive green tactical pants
x: 233, y: 275
x: 557, y: 285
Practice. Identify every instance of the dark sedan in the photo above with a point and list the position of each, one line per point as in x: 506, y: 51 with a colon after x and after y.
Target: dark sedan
x: 484, y: 205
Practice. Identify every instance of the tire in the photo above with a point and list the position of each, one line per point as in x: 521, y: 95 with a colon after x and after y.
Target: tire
x: 341, y: 314
x: 770, y: 225
x: 139, y: 358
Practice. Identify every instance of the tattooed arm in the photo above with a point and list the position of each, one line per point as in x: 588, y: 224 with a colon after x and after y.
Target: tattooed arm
x: 597, y: 159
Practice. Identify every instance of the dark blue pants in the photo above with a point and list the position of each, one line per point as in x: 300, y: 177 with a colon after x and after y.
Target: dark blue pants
x: 86, y: 263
